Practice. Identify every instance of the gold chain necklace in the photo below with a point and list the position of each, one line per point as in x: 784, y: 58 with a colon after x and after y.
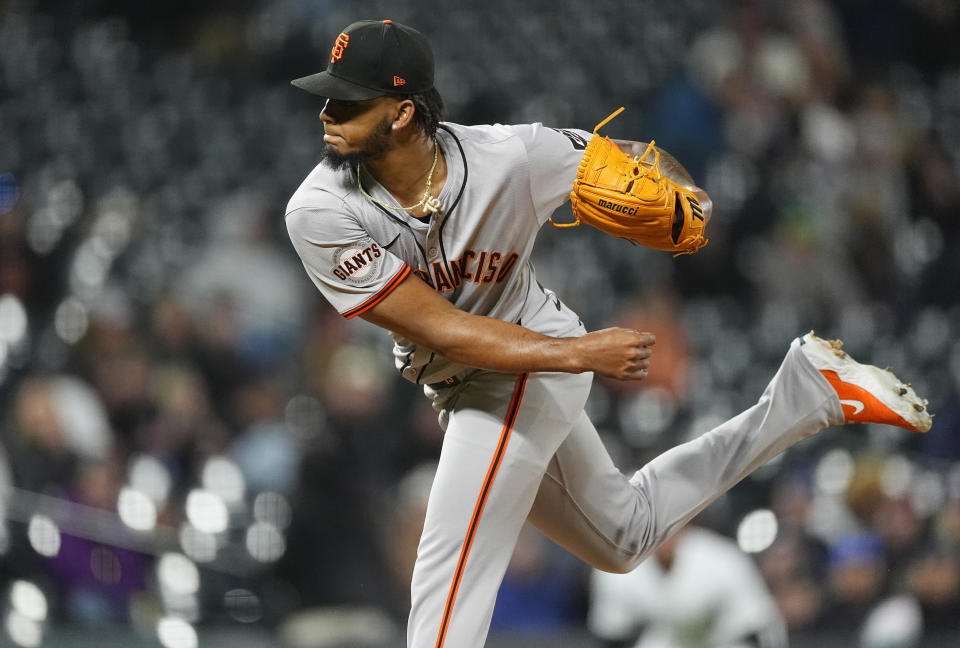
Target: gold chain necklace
x: 429, y: 203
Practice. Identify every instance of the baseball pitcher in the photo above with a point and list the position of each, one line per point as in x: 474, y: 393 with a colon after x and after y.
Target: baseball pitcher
x: 425, y: 228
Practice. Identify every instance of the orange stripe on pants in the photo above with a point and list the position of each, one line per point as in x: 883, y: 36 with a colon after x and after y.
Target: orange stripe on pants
x: 481, y: 501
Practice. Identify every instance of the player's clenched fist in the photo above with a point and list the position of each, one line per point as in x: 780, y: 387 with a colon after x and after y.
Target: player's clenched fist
x: 616, y: 352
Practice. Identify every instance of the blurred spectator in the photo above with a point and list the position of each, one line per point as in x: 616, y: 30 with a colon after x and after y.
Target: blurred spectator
x: 659, y: 311
x: 856, y: 580
x: 793, y: 569
x: 23, y: 272
x: 697, y: 589
x: 895, y: 623
x: 262, y: 285
x: 56, y: 422
x: 540, y: 589
x: 406, y: 526
x: 794, y: 566
x: 933, y: 579
x: 179, y: 428
x: 95, y: 579
x: 41, y: 454
x: 266, y: 450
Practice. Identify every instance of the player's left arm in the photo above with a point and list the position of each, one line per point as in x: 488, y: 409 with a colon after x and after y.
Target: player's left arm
x: 555, y: 154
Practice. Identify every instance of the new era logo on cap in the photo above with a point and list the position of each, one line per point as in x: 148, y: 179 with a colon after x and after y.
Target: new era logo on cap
x: 372, y: 58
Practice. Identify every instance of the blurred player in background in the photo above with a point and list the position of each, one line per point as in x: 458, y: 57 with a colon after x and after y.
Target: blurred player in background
x: 697, y: 590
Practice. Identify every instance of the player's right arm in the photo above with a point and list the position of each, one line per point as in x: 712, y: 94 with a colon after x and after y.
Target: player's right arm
x: 416, y: 312
x: 360, y: 278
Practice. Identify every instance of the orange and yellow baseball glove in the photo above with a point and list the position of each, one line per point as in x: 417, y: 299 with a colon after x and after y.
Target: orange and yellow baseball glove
x: 631, y: 198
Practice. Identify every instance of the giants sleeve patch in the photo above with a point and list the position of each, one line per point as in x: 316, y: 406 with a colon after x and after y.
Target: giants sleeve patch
x: 357, y: 264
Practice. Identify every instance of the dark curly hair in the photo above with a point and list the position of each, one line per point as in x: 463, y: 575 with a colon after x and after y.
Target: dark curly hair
x: 429, y: 110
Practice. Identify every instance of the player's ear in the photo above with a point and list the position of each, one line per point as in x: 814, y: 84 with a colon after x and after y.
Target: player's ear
x: 404, y: 113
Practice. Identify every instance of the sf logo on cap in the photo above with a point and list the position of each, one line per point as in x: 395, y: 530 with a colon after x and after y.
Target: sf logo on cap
x: 342, y: 41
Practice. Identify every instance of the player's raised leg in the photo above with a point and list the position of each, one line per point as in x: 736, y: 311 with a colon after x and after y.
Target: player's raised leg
x: 589, y: 507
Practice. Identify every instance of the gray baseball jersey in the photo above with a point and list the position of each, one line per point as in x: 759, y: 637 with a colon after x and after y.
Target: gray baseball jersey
x: 503, y: 183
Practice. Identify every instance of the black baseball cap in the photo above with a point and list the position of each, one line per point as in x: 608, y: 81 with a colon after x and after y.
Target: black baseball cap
x: 371, y: 58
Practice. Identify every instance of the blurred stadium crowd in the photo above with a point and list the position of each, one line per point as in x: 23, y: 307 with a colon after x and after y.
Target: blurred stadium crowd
x: 191, y: 439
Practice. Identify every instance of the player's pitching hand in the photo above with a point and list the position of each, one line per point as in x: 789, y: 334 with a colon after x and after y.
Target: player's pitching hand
x: 623, y: 354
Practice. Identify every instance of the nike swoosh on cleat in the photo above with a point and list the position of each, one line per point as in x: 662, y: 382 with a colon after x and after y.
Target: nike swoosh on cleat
x: 855, y: 404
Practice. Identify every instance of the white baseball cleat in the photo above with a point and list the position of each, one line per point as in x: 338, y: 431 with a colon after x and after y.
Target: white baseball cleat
x: 868, y: 394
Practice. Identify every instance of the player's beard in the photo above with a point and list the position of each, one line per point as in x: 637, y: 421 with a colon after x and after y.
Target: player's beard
x: 376, y: 144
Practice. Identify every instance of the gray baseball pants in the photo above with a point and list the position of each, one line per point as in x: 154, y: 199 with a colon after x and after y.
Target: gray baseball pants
x: 521, y: 448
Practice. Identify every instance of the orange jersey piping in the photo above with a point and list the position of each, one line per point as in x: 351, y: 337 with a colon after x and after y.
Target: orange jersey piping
x: 380, y: 296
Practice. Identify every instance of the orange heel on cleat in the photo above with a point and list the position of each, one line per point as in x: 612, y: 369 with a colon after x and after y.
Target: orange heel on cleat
x: 868, y: 394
